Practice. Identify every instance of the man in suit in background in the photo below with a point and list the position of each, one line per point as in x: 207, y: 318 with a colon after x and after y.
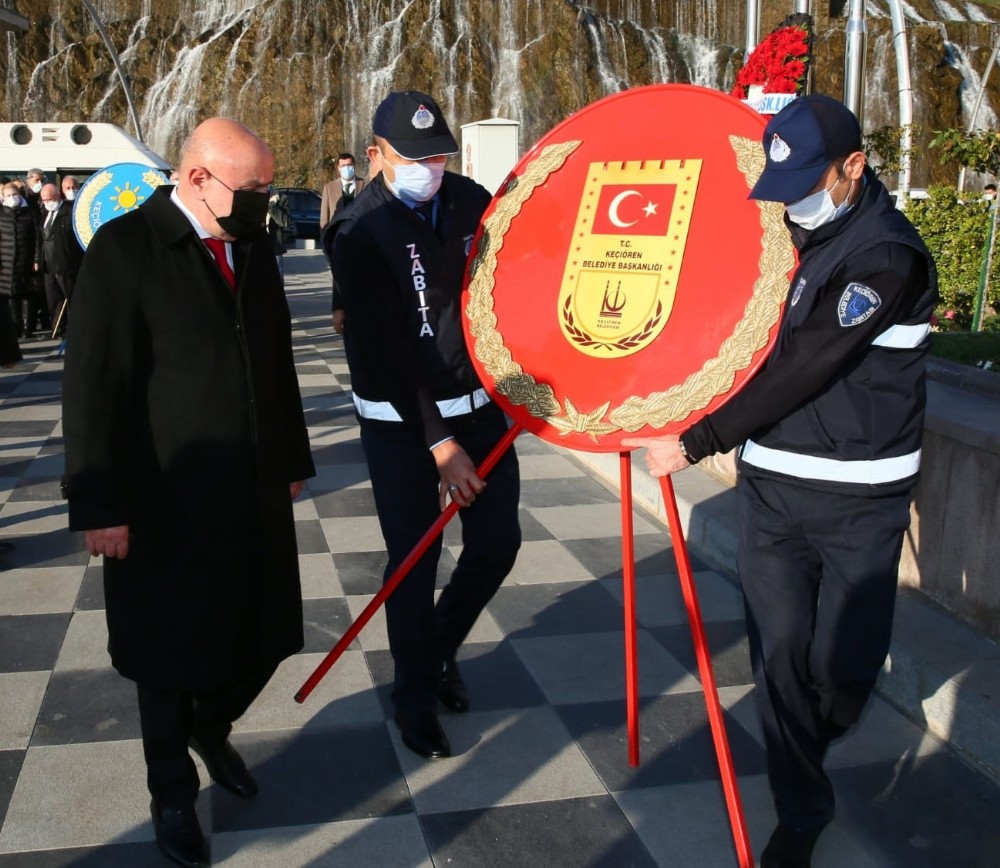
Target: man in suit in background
x: 340, y: 190
x: 185, y: 446
x: 61, y: 254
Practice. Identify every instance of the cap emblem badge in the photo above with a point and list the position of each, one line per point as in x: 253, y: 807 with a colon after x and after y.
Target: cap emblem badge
x: 422, y: 118
x: 779, y: 151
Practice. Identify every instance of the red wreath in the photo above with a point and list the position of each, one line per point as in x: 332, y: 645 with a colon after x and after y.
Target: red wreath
x: 780, y: 63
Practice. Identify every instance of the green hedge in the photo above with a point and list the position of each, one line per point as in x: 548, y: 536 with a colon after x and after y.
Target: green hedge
x: 968, y: 348
x: 956, y: 233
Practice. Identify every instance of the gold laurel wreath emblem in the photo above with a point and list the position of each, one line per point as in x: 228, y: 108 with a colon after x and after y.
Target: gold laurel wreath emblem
x: 94, y: 186
x: 657, y: 409
x: 579, y: 336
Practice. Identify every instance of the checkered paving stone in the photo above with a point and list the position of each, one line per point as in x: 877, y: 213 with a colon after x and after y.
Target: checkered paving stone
x: 540, y: 775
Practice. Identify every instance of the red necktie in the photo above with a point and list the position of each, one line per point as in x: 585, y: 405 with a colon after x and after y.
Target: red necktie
x: 218, y: 248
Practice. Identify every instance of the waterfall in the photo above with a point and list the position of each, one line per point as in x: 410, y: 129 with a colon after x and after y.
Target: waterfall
x: 595, y: 30
x: 12, y: 84
x: 986, y: 118
x: 702, y: 57
x: 517, y: 20
x: 947, y: 12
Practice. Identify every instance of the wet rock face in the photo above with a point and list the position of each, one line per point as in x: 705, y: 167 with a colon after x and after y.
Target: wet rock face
x: 307, y: 74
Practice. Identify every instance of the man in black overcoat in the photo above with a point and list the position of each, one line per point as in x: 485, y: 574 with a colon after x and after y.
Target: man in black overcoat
x: 61, y: 253
x: 185, y: 446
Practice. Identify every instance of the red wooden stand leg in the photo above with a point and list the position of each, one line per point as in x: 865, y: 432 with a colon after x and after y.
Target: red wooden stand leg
x: 628, y: 586
x: 737, y: 821
x: 403, y: 570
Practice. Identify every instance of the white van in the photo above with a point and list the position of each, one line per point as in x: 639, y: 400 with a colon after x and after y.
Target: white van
x: 61, y: 149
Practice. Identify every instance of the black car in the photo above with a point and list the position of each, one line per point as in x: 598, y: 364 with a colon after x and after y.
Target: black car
x: 304, y: 205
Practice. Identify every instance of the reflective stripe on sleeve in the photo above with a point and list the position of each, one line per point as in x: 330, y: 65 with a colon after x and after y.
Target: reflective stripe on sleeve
x: 876, y: 472
x: 383, y: 411
x: 902, y: 337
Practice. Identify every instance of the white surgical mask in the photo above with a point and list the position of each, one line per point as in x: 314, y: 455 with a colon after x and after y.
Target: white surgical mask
x: 70, y: 194
x: 818, y: 209
x: 51, y: 206
x: 418, y: 182
x: 12, y: 201
x: 36, y: 187
x: 346, y: 173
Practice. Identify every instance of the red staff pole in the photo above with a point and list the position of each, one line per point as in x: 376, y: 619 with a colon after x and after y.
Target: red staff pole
x: 628, y: 587
x: 403, y: 570
x: 737, y: 821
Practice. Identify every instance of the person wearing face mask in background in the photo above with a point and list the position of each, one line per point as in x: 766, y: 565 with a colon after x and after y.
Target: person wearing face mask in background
x: 185, y: 447
x: 341, y: 190
x: 831, y: 429
x: 19, y: 256
x: 398, y: 256
x: 16, y: 236
x: 61, y: 252
x: 34, y: 181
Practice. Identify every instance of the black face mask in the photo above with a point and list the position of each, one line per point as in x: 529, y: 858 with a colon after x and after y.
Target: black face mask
x: 248, y: 213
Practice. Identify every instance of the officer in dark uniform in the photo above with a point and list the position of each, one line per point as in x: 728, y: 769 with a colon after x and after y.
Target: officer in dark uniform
x: 831, y: 430
x: 398, y: 257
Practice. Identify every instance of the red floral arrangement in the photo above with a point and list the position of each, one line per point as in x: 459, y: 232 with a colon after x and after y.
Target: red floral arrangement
x: 780, y: 63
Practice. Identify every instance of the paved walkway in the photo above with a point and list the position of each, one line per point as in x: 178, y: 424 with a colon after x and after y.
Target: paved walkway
x: 540, y: 776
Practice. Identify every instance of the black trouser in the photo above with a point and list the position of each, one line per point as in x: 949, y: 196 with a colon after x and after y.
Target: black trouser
x: 169, y: 719
x: 58, y: 287
x: 405, y: 484
x: 29, y: 313
x: 819, y: 578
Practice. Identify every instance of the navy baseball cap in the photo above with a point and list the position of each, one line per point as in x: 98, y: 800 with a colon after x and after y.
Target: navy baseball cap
x: 413, y: 123
x: 800, y: 142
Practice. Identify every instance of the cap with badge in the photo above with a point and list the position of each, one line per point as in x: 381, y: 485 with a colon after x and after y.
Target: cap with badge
x: 413, y: 123
x: 800, y: 142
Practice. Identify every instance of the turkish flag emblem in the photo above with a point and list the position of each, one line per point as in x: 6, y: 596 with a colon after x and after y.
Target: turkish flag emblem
x: 641, y: 209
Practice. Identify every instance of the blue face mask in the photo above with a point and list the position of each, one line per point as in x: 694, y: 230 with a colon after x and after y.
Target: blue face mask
x: 418, y: 182
x: 346, y: 173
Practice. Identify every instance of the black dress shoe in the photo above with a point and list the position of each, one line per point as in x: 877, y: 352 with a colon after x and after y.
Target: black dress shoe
x: 451, y: 690
x: 789, y: 847
x: 422, y: 733
x: 179, y: 835
x: 226, y: 768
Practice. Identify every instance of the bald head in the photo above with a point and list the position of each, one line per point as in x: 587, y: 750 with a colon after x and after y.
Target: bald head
x: 50, y: 193
x: 220, y: 157
x: 221, y: 139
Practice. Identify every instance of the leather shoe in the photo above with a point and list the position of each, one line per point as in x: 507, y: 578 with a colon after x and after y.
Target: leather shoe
x: 789, y: 847
x: 179, y: 835
x: 422, y: 733
x: 226, y: 768
x: 451, y: 689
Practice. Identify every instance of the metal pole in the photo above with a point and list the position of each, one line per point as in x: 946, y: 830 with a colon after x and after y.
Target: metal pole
x: 628, y: 596
x: 802, y: 6
x: 716, y: 721
x: 753, y: 26
x: 854, y: 60
x: 122, y: 77
x: 905, y: 96
x: 976, y: 105
x: 985, y: 271
x: 403, y: 570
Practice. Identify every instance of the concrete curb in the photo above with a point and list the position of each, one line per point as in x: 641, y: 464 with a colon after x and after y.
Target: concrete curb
x: 940, y: 673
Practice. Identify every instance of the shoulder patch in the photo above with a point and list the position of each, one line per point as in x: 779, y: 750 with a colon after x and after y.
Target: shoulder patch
x: 857, y: 304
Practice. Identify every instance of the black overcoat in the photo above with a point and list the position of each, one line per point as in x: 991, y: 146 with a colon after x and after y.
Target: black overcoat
x: 18, y: 249
x: 182, y: 419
